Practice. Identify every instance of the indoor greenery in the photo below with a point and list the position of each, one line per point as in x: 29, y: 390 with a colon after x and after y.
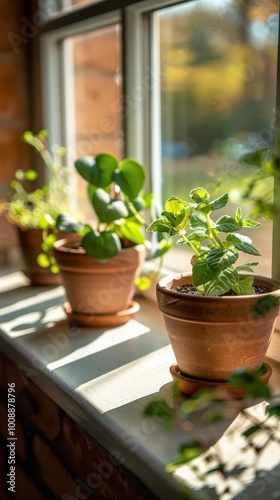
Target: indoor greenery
x: 215, y: 244
x: 257, y: 188
x: 211, y: 406
x: 40, y: 207
x: 115, y: 193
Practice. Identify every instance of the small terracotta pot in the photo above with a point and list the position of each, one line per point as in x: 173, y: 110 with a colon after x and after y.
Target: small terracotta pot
x: 30, y: 242
x: 95, y: 287
x: 213, y: 336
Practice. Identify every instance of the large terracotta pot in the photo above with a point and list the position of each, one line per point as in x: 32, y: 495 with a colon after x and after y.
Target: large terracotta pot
x: 94, y: 287
x: 30, y: 242
x: 213, y: 336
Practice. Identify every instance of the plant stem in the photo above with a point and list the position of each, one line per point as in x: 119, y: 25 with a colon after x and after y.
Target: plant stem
x: 192, y: 247
x: 213, y: 234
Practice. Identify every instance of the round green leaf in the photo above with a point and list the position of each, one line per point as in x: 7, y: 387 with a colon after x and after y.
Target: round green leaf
x: 43, y: 260
x: 101, y: 246
x: 54, y: 269
x: 107, y: 209
x: 143, y: 283
x: 31, y: 175
x: 68, y: 224
x: 46, y: 222
x: 97, y: 170
x: 130, y: 177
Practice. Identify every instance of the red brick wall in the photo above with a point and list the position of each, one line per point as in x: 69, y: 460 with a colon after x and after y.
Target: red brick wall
x: 13, y: 107
x: 55, y: 459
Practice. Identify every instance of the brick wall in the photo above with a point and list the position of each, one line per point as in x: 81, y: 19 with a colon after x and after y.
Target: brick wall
x: 54, y: 458
x: 13, y: 110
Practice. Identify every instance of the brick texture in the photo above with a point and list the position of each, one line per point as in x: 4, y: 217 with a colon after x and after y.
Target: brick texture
x: 55, y: 458
x: 13, y: 111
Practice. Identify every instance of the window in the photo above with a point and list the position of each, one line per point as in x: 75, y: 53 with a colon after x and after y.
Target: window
x: 199, y: 90
x: 217, y: 73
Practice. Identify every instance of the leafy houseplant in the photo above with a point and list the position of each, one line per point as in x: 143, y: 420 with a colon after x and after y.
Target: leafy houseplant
x: 34, y: 213
x: 258, y: 187
x: 111, y: 246
x: 217, y: 318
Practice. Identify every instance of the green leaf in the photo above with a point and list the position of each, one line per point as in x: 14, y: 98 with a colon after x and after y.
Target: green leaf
x: 54, y: 269
x: 188, y: 451
x: 273, y: 410
x: 160, y: 225
x: 143, y: 283
x: 222, y: 283
x: 160, y: 248
x: 46, y: 222
x: 132, y: 232
x: 97, y: 170
x: 101, y: 246
x: 199, y: 194
x: 239, y: 216
x: 244, y: 286
x: 31, y: 175
x: 247, y: 267
x: 220, y: 202
x: 108, y: 210
x: 174, y: 205
x: 251, y: 430
x: 43, y: 260
x: 159, y: 409
x: 68, y: 224
x: 242, y: 245
x: 227, y: 224
x: 49, y: 241
x: 198, y: 224
x: 249, y: 381
x: 130, y: 176
x: 255, y: 158
x: 250, y: 223
x: 202, y: 273
x: 219, y: 259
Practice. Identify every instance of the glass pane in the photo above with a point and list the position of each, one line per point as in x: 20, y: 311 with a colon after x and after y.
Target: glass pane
x: 49, y: 8
x: 95, y: 70
x: 218, y: 63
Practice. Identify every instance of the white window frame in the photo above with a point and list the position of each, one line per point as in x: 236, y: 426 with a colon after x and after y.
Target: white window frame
x: 142, y: 117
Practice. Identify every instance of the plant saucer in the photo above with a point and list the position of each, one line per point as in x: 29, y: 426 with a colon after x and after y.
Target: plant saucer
x: 189, y: 385
x: 102, y: 320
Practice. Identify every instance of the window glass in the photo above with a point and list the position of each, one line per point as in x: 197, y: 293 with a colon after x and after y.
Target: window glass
x: 94, y: 67
x: 218, y: 63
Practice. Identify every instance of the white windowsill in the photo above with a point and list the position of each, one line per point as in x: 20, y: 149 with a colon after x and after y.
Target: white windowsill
x: 103, y: 378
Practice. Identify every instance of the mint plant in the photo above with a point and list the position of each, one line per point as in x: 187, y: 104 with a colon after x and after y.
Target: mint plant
x: 215, y: 245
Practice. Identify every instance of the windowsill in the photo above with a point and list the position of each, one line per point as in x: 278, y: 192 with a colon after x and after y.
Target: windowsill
x: 103, y: 378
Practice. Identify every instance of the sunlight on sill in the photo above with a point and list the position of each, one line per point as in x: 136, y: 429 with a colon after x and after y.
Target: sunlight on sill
x: 112, y: 386
x: 104, y: 340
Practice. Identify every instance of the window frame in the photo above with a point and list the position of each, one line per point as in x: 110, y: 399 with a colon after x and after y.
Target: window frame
x: 140, y: 99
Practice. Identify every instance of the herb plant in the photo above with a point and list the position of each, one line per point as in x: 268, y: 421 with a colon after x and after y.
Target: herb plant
x: 115, y: 193
x: 40, y: 207
x: 258, y: 187
x: 215, y: 245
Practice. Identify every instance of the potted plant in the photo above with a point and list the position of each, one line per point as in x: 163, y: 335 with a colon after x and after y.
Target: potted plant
x: 34, y: 213
x: 220, y: 316
x: 99, y: 267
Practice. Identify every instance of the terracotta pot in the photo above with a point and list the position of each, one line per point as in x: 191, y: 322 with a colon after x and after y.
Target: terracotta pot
x: 213, y: 336
x: 30, y: 242
x: 95, y: 287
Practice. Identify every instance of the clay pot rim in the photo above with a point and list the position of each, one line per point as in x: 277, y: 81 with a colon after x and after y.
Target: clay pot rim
x: 61, y: 246
x: 163, y: 288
